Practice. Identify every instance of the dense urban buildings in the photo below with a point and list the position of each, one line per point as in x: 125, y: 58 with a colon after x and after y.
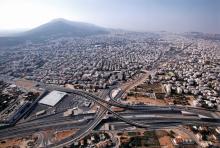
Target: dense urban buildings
x: 120, y: 89
x: 74, y: 84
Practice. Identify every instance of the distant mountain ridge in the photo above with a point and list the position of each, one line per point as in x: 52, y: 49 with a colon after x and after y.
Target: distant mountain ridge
x: 62, y: 27
x: 55, y: 29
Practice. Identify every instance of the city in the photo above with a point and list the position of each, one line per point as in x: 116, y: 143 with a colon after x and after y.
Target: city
x: 74, y: 84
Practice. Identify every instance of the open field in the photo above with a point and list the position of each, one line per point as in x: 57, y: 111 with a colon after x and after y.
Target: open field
x: 17, y: 142
x: 164, y: 139
x: 63, y: 134
x: 142, y: 139
x: 26, y: 84
x: 145, y: 100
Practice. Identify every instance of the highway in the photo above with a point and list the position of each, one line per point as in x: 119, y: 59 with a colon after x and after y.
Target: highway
x: 85, y: 131
x: 127, y: 116
x: 34, y: 127
x: 100, y: 102
x: 103, y: 103
x: 96, y: 99
x: 139, y: 116
x: 142, y: 116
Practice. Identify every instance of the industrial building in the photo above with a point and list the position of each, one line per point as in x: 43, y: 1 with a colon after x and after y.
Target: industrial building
x: 53, y: 98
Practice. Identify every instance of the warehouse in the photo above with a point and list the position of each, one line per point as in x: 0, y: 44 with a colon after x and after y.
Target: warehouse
x: 53, y: 98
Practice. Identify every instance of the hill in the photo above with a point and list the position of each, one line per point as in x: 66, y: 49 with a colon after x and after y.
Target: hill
x: 54, y: 29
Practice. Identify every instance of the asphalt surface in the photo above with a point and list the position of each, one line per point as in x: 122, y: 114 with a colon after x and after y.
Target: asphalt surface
x: 138, y: 116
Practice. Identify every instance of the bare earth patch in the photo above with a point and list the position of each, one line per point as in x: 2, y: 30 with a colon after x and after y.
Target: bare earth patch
x: 191, y: 99
x: 183, y: 134
x: 26, y: 84
x: 164, y: 139
x: 20, y: 142
x: 145, y: 100
x: 64, y: 134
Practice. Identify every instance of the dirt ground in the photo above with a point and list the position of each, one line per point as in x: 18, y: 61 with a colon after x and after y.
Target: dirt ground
x: 191, y: 98
x: 21, y: 142
x: 145, y: 100
x: 164, y: 139
x: 183, y: 134
x: 69, y: 86
x: 26, y: 84
x: 138, y: 80
x: 64, y: 134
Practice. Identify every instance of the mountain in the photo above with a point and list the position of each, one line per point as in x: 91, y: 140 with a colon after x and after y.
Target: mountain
x: 65, y: 28
x: 54, y: 29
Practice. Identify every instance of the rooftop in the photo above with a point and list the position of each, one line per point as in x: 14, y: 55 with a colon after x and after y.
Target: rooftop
x: 52, y: 98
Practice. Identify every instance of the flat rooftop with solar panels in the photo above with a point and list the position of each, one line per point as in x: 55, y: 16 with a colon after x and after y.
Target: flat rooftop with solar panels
x: 53, y: 98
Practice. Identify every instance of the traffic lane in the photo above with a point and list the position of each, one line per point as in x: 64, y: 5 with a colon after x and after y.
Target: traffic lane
x: 33, y: 129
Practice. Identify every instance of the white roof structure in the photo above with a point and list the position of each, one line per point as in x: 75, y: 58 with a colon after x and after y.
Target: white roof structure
x: 52, y: 98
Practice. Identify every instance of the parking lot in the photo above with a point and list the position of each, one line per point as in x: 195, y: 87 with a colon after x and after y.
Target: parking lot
x: 68, y: 102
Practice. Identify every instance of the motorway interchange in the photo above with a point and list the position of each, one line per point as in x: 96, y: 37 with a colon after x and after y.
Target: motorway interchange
x: 141, y: 116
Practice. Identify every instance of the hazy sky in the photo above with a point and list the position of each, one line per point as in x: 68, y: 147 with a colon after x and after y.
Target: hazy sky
x: 141, y: 15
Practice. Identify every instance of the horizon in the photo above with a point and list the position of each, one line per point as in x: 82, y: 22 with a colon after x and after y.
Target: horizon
x: 170, y: 15
x: 12, y: 32
x: 109, y: 73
